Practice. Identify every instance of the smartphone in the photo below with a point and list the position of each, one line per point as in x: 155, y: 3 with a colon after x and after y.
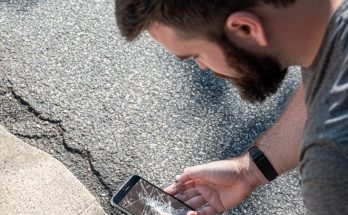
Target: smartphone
x: 139, y: 197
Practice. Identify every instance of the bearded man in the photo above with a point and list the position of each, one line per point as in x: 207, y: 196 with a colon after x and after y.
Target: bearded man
x: 252, y: 43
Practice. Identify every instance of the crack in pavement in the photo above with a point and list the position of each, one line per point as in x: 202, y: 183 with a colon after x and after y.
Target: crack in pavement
x: 30, y: 108
x: 7, y: 92
x: 33, y: 136
x: 83, y: 153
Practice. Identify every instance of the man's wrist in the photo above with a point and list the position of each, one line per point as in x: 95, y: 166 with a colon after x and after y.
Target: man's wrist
x: 262, y: 163
x: 252, y: 172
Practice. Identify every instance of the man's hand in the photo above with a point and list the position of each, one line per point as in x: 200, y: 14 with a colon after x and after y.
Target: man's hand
x: 221, y: 185
x: 217, y: 186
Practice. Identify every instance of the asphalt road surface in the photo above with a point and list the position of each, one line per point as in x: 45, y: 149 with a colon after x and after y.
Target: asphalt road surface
x: 72, y: 87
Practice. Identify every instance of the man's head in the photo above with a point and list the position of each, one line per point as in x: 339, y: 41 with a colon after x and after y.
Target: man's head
x: 223, y: 35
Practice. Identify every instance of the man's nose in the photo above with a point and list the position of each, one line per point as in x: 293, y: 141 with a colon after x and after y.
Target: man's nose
x: 201, y: 65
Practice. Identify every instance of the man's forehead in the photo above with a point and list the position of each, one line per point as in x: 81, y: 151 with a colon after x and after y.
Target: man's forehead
x: 169, y: 38
x: 160, y: 31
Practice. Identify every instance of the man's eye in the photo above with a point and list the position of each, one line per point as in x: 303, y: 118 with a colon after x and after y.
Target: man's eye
x: 182, y: 58
x: 194, y: 57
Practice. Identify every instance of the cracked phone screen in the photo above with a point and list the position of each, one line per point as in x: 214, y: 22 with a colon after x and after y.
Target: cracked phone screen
x: 145, y: 199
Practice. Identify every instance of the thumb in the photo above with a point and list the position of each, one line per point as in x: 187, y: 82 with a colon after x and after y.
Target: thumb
x: 192, y: 173
x: 171, y: 189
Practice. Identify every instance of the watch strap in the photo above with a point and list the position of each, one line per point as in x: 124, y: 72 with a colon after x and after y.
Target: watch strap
x: 263, y: 163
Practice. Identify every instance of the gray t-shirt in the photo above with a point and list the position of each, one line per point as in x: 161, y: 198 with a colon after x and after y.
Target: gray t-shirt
x: 324, y: 148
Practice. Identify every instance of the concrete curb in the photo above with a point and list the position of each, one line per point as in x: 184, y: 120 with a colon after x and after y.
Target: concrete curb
x: 33, y: 182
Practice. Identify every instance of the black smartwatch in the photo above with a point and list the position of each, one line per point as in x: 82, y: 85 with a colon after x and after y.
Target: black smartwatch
x: 263, y: 163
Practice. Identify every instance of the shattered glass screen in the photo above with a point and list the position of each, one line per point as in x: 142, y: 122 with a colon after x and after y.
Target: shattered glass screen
x: 145, y: 199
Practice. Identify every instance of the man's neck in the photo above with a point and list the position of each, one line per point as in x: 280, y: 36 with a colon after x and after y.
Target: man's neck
x: 296, y: 32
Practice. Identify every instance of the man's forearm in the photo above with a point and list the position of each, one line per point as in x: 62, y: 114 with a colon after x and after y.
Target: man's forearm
x: 281, y: 142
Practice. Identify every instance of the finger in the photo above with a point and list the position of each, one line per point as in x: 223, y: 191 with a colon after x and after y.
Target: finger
x: 188, y: 194
x: 208, y: 210
x: 188, y: 185
x: 185, y: 181
x: 196, y: 202
x: 183, y: 178
x: 171, y: 189
x: 194, y: 172
x: 182, y: 187
x: 211, y: 196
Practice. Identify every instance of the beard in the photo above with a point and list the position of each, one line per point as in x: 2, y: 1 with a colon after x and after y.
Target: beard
x: 258, y: 76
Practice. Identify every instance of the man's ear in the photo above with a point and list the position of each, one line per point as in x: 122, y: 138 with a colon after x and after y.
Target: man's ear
x: 246, y: 28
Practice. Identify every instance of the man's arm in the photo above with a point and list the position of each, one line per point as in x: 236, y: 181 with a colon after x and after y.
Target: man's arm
x: 225, y: 184
x: 281, y: 142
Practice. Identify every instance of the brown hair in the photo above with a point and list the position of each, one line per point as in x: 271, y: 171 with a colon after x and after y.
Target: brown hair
x: 202, y: 18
